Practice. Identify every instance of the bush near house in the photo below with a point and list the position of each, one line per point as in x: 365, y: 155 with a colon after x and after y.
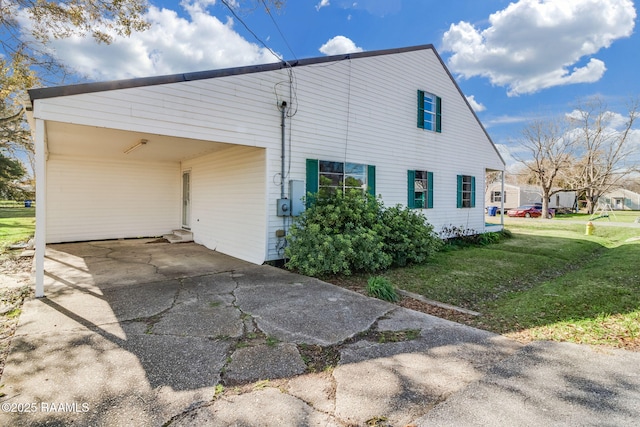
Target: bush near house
x: 343, y: 233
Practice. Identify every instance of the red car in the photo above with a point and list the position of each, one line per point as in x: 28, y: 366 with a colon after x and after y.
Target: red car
x: 527, y: 211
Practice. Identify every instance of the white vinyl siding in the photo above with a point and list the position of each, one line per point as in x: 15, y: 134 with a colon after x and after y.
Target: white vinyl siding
x: 339, y: 116
x: 89, y: 199
x: 329, y: 125
x: 228, y: 207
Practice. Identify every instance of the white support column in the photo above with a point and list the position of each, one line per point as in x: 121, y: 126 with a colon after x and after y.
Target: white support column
x: 502, y: 197
x: 41, y: 204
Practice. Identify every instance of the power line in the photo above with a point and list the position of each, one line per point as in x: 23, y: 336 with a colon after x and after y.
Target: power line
x: 278, y: 28
x: 249, y: 29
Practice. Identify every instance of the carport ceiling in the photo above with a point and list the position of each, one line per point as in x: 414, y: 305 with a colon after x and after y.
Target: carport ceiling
x: 95, y: 142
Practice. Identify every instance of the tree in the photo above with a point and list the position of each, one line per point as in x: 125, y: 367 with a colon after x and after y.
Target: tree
x: 11, y: 174
x: 631, y: 183
x: 550, y: 152
x: 15, y: 138
x: 603, y: 148
x: 55, y: 19
x: 26, y: 27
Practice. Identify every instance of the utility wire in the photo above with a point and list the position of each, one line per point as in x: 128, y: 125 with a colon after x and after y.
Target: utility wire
x: 278, y: 28
x: 249, y: 29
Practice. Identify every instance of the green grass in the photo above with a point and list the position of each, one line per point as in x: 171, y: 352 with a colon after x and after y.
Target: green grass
x: 550, y: 281
x: 615, y: 216
x: 16, y: 225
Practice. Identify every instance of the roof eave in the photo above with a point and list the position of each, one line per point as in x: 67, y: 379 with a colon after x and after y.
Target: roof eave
x: 77, y: 89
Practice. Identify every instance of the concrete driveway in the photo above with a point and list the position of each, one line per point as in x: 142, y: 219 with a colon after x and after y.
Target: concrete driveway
x: 137, y: 332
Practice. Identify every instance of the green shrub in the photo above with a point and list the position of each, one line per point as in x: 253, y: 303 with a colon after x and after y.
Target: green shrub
x: 380, y: 287
x: 353, y: 232
x: 408, y: 238
x: 338, y: 234
x: 461, y: 237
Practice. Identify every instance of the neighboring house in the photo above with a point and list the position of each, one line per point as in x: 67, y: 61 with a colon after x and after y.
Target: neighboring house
x: 215, y: 152
x: 519, y: 195
x: 621, y: 199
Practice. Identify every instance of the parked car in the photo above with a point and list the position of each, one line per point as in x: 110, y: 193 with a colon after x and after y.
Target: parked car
x: 528, y: 211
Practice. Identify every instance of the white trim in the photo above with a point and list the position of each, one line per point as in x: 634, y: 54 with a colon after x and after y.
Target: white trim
x: 41, y: 205
x: 185, y: 213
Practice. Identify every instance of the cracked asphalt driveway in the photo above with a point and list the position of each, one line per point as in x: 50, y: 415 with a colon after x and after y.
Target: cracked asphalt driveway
x: 137, y: 332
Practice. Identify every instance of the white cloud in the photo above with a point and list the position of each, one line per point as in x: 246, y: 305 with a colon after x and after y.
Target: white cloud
x: 532, y: 44
x: 172, y: 45
x: 505, y: 120
x: 610, y: 120
x: 477, y: 106
x: 508, y: 152
x: 322, y: 4
x: 339, y: 45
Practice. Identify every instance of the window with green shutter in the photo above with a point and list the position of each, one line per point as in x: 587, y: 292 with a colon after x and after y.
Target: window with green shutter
x: 324, y: 176
x: 429, y: 111
x: 420, y: 189
x: 466, y: 197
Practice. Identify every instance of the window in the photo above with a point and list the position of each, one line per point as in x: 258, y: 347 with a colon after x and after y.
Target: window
x: 429, y: 111
x: 328, y: 176
x: 341, y: 176
x: 466, y: 191
x: 496, y: 197
x: 420, y: 189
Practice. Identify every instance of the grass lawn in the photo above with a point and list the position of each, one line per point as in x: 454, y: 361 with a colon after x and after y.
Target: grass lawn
x: 614, y: 216
x: 549, y: 281
x: 17, y: 224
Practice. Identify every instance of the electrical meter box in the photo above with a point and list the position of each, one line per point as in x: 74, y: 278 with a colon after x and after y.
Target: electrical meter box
x: 284, y: 207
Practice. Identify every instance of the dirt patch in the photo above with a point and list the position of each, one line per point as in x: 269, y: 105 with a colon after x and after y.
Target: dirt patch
x: 15, y: 271
x: 14, y: 289
x: 454, y: 316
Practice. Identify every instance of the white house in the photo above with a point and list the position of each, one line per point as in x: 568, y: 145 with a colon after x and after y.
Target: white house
x: 518, y: 195
x: 621, y: 199
x: 217, y: 152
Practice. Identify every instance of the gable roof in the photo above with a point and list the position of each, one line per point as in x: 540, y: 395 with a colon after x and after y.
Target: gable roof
x: 84, y: 88
x: 76, y: 89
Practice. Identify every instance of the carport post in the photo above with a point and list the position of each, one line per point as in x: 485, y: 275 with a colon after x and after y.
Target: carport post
x: 41, y: 198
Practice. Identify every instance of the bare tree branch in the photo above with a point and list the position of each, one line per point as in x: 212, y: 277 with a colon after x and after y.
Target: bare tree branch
x: 603, y: 148
x: 549, y: 152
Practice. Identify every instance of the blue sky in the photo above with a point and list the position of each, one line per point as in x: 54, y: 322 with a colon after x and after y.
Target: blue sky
x: 514, y: 60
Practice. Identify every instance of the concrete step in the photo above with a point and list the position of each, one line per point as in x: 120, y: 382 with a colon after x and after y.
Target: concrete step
x: 179, y: 236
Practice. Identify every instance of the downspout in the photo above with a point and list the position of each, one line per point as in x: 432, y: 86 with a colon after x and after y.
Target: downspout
x: 283, y: 110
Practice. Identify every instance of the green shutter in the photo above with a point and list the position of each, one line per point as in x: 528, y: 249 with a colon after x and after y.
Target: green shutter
x: 438, y: 114
x: 473, y: 191
x: 421, y: 109
x: 371, y: 180
x: 312, y: 179
x: 429, y: 190
x: 459, y: 198
x: 411, y: 196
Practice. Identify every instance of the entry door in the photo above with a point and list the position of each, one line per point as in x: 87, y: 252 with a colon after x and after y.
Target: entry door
x: 619, y: 204
x: 186, y: 199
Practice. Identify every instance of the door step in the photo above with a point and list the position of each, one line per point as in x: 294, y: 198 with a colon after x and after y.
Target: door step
x: 179, y: 236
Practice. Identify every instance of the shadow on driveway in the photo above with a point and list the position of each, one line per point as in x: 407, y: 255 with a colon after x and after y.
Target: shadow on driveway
x: 137, y: 332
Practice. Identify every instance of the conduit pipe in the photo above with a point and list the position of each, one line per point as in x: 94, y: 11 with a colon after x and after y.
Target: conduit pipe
x: 283, y: 110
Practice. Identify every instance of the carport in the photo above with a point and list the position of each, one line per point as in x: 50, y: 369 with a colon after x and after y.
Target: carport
x: 109, y: 182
